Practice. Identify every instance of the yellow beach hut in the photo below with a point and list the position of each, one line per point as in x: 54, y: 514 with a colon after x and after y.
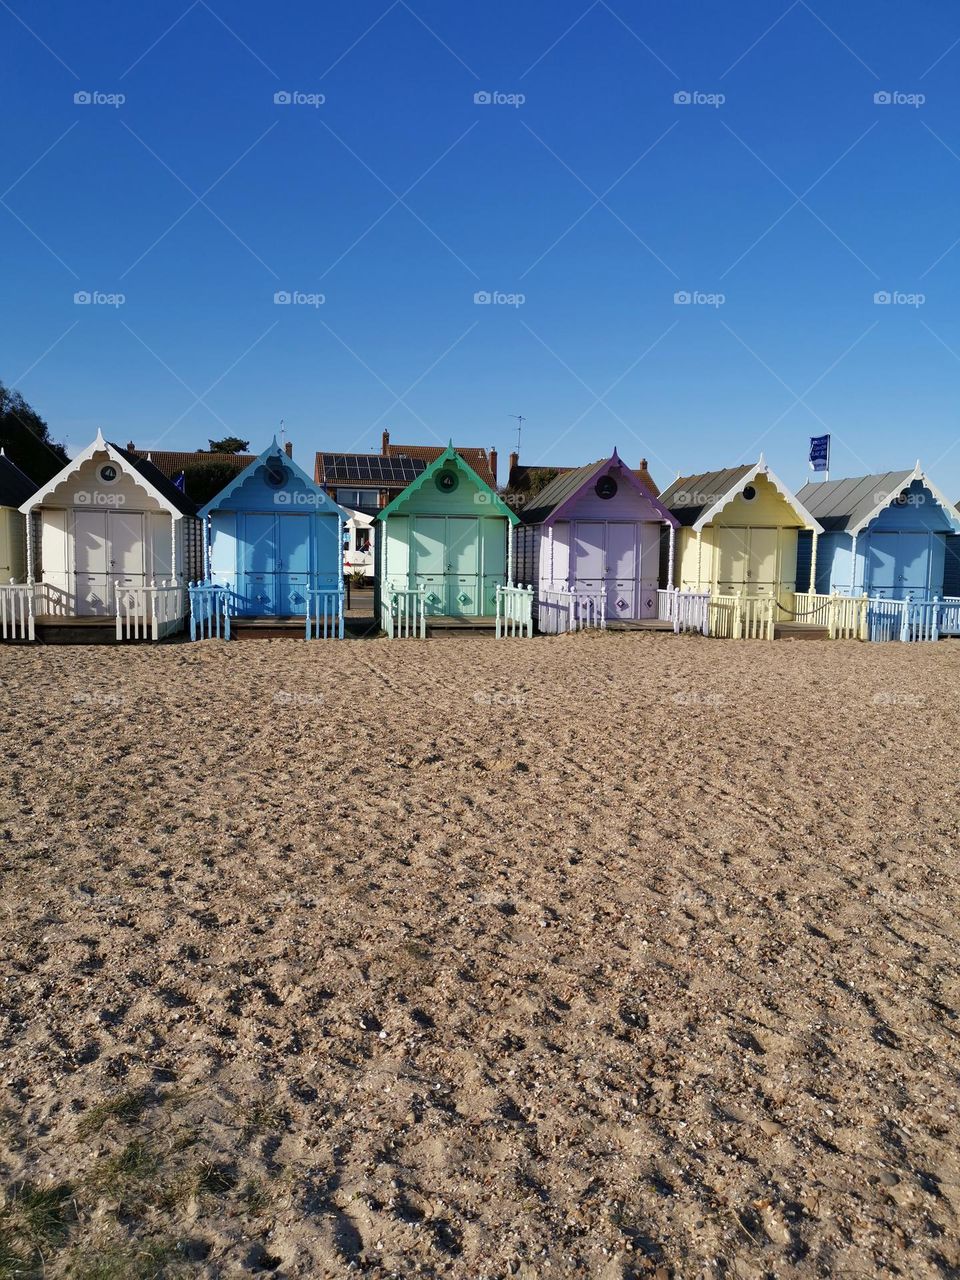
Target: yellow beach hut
x: 737, y: 542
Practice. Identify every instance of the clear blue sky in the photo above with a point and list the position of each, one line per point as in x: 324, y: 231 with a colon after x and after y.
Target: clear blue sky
x: 400, y: 197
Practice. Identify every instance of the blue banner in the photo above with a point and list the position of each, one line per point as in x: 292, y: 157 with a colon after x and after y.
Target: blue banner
x: 820, y: 453
x: 181, y: 482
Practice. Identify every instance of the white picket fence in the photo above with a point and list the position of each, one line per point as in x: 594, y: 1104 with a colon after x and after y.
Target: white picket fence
x: 150, y: 613
x: 16, y: 612
x: 209, y: 612
x: 514, y: 611
x: 687, y: 610
x: 742, y: 617
x: 404, y: 613
x: 845, y: 617
x: 561, y: 611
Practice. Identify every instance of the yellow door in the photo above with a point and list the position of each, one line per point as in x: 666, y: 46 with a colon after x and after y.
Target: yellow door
x: 732, y: 559
x: 762, y: 563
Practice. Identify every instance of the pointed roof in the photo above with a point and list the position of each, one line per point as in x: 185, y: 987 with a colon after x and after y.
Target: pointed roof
x: 696, y: 500
x: 848, y: 506
x: 548, y: 505
x: 274, y: 450
x: 448, y: 456
x: 15, y: 485
x: 143, y: 472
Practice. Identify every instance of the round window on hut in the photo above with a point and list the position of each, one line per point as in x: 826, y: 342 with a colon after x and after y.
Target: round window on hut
x: 446, y: 481
x: 749, y: 493
x: 275, y: 473
x: 605, y: 487
x: 108, y: 473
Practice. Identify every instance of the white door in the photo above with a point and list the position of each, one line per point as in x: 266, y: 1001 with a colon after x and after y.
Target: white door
x: 649, y: 568
x: 126, y: 548
x: 91, y: 562
x: 621, y: 569
x: 587, y: 557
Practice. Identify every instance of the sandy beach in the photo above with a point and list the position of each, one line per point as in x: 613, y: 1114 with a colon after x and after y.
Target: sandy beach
x: 602, y: 955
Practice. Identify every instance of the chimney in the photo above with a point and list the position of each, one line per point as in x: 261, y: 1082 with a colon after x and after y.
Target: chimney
x: 131, y: 446
x: 288, y: 448
x: 493, y: 463
x: 385, y: 446
x: 514, y: 461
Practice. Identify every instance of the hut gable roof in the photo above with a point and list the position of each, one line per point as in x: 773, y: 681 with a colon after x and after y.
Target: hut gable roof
x: 15, y: 485
x: 323, y: 500
x: 549, y: 504
x: 448, y: 456
x: 478, y: 460
x: 149, y: 477
x: 171, y: 462
x: 848, y: 506
x: 695, y: 500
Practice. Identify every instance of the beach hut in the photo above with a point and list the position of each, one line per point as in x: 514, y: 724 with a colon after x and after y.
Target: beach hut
x: 737, y: 537
x: 589, y: 542
x: 358, y: 543
x: 443, y: 549
x: 274, y: 542
x: 885, y: 536
x: 15, y: 489
x: 111, y: 536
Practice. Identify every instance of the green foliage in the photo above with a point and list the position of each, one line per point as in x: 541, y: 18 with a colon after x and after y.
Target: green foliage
x: 32, y: 1220
x: 124, y: 1107
x: 229, y: 444
x: 26, y: 438
x: 203, y: 480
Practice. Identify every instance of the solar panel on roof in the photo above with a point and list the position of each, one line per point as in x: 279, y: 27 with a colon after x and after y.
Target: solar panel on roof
x: 370, y: 468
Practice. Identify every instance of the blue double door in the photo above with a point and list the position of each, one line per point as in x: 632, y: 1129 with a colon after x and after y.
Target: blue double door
x: 274, y: 564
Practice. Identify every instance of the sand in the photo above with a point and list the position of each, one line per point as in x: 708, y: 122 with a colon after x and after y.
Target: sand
x: 602, y: 955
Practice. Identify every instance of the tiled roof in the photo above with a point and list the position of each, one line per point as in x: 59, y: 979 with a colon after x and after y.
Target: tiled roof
x: 162, y: 483
x: 171, y: 463
x: 477, y: 459
x: 690, y: 496
x: 843, y: 504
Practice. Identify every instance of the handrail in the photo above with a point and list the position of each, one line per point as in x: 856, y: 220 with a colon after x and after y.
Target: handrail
x: 514, y: 611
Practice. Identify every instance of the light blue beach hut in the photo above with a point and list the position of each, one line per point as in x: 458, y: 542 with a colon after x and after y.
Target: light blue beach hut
x: 274, y: 551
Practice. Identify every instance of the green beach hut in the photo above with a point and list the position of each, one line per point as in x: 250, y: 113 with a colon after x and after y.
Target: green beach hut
x: 443, y: 548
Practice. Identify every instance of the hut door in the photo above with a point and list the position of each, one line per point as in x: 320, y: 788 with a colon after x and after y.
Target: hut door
x: 428, y: 560
x: 90, y: 562
x: 732, y: 546
x: 762, y: 562
x: 897, y: 564
x: 620, y: 570
x: 125, y: 546
x: 293, y: 564
x: 260, y: 565
x: 649, y: 568
x: 587, y: 556
x: 463, y: 563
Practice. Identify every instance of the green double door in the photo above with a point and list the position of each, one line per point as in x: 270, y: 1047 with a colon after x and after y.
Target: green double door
x: 459, y: 560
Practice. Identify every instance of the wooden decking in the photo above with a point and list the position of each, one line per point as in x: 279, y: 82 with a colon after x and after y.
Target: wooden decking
x: 638, y: 624
x: 53, y: 629
x: 800, y: 631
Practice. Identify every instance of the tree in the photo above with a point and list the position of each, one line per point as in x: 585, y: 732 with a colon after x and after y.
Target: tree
x: 203, y: 480
x: 25, y: 438
x: 229, y: 444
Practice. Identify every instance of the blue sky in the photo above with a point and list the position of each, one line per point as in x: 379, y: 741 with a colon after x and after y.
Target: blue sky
x: 596, y: 199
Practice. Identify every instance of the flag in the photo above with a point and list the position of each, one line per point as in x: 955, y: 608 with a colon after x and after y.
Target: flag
x: 820, y: 453
x: 181, y: 482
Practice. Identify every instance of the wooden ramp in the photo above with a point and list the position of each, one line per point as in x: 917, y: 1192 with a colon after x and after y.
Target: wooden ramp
x: 51, y: 629
x: 639, y: 624
x: 800, y: 631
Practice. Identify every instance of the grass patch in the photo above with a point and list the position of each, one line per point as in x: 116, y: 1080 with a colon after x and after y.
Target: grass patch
x: 33, y: 1220
x: 124, y: 1174
x: 146, y: 1262
x: 196, y: 1185
x: 260, y: 1116
x: 125, y: 1107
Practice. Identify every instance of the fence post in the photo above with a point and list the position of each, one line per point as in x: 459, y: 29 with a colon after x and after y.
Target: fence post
x: 737, y: 627
x: 935, y: 619
x: 905, y: 620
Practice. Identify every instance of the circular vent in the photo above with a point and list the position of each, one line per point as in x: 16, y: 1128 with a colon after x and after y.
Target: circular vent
x: 605, y: 487
x: 108, y: 473
x: 276, y: 473
x: 749, y: 493
x: 446, y: 481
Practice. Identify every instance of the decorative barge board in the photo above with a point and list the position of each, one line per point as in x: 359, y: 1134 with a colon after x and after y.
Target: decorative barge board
x: 111, y: 542
x: 738, y: 536
x: 593, y: 534
x: 275, y: 558
x: 884, y: 536
x: 443, y: 551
